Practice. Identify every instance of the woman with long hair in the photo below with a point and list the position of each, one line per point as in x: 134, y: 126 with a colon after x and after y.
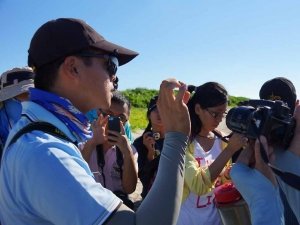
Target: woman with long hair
x: 207, y: 159
x: 149, y: 147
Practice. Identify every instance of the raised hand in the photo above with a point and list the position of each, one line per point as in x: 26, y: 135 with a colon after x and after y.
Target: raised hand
x: 98, y: 128
x: 173, y: 110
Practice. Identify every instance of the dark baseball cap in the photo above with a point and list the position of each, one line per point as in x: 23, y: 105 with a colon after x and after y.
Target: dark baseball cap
x: 279, y: 88
x: 65, y: 36
x: 152, y: 104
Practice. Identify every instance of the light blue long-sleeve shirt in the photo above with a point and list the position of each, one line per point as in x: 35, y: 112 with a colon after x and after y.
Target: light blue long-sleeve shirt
x: 262, y: 197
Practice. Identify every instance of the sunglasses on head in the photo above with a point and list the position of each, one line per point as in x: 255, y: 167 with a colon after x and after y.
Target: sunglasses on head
x: 112, y: 62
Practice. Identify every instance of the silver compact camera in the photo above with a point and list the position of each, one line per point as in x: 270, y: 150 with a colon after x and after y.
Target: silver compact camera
x: 155, y: 135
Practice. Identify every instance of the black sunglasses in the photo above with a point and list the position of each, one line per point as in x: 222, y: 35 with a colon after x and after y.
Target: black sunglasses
x: 112, y: 62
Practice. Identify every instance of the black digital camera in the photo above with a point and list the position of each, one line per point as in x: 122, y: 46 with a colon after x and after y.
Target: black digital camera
x: 155, y: 135
x: 263, y: 117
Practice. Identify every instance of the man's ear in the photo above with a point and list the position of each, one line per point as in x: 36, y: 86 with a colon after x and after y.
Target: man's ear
x: 69, y: 66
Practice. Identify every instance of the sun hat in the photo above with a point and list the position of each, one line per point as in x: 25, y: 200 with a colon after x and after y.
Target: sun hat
x: 279, y: 88
x: 65, y: 36
x: 15, y: 81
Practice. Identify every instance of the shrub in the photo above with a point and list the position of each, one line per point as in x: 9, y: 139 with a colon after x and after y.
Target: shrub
x: 140, y: 97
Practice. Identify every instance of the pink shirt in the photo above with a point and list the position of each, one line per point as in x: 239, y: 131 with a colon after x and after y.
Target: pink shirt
x: 111, y: 169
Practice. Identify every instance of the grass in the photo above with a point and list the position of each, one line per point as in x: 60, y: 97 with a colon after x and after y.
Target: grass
x: 138, y: 119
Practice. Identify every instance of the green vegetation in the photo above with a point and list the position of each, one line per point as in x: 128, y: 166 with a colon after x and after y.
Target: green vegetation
x: 235, y: 100
x: 140, y: 97
x: 138, y: 118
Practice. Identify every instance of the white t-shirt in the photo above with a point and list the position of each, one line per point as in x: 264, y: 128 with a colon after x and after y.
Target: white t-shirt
x: 198, y: 210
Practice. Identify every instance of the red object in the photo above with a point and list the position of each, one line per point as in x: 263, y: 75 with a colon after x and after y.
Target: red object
x: 227, y: 194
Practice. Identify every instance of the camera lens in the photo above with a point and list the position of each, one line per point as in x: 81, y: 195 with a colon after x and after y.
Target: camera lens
x: 240, y: 118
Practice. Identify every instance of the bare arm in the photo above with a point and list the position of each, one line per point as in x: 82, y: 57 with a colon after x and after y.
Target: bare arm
x: 235, y: 143
x: 130, y: 177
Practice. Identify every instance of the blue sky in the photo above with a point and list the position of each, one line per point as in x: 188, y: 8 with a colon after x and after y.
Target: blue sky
x: 240, y: 44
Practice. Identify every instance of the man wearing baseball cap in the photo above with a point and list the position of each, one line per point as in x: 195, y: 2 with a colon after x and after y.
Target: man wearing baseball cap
x: 43, y: 177
x: 265, y: 205
x: 281, y: 88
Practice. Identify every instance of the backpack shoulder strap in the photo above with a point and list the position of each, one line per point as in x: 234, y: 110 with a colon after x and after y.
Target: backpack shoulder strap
x: 41, y: 126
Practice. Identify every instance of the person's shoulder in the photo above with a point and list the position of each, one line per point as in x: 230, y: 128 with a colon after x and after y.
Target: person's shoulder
x: 38, y: 152
x: 138, y: 141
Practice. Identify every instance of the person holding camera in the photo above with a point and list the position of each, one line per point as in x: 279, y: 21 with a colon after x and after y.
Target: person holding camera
x: 208, y: 156
x: 44, y: 178
x: 112, y: 159
x: 265, y: 205
x: 281, y: 88
x: 149, y: 147
x: 276, y: 123
x: 257, y: 183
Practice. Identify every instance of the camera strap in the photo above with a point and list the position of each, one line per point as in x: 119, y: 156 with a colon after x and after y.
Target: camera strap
x: 101, y: 161
x: 225, y: 138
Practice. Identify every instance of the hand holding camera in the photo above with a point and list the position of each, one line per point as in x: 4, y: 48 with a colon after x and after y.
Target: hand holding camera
x: 148, y: 140
x: 155, y: 135
x: 236, y: 141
